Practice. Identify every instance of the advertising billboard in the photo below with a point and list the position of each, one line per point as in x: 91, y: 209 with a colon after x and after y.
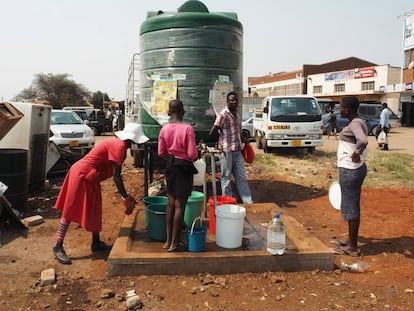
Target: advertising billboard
x: 409, y: 32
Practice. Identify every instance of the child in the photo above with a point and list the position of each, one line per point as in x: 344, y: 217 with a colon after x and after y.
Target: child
x: 177, y: 143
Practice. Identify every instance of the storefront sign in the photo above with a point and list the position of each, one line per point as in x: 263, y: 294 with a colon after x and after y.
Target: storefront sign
x: 361, y: 73
x: 339, y: 75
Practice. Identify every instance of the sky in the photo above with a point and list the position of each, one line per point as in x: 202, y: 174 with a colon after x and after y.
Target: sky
x: 93, y: 40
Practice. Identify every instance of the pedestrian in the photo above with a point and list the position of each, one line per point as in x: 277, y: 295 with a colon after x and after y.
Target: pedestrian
x: 384, y: 125
x: 332, y: 124
x: 80, y: 198
x: 401, y: 117
x: 227, y: 126
x: 177, y: 144
x: 352, y: 153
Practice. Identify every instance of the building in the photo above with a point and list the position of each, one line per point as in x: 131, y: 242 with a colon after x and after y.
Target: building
x: 373, y: 84
x: 368, y: 81
x: 407, y: 78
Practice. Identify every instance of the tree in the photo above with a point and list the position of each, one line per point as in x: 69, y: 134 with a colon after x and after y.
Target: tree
x: 29, y: 93
x: 57, y: 89
x: 98, y: 98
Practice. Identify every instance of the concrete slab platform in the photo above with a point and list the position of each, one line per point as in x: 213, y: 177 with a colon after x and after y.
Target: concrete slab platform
x: 134, y: 253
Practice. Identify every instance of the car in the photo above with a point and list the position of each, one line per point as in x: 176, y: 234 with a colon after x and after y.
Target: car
x: 373, y: 111
x: 247, y: 129
x: 95, y: 117
x: 69, y: 131
x: 341, y: 122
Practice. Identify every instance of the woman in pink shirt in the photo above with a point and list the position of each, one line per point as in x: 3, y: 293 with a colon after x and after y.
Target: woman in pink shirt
x: 177, y: 143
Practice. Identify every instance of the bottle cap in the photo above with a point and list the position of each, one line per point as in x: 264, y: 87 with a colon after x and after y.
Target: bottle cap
x: 278, y: 215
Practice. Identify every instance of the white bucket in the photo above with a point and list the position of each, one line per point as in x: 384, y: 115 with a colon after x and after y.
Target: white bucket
x: 200, y: 177
x: 229, y: 225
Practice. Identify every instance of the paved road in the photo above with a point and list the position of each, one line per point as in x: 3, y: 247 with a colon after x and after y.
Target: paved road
x: 400, y: 140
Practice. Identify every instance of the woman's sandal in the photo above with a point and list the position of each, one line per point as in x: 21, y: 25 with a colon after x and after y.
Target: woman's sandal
x: 339, y: 242
x: 180, y: 247
x: 341, y: 250
x: 172, y: 248
x: 166, y: 246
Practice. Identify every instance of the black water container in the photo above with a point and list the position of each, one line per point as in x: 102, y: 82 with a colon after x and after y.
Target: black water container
x: 13, y: 173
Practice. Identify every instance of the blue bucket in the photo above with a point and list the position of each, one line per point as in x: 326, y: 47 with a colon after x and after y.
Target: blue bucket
x: 196, y: 237
x: 157, y: 226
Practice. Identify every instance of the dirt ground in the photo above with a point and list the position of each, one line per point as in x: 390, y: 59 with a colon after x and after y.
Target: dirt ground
x: 386, y: 242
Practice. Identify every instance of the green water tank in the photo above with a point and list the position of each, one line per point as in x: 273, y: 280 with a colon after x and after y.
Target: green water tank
x: 194, y: 49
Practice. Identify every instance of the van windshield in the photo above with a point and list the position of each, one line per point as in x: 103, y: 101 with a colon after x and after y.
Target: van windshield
x: 292, y: 109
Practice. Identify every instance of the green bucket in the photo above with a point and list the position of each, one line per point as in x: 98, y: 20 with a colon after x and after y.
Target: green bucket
x: 153, y: 200
x: 194, y: 207
x: 157, y: 228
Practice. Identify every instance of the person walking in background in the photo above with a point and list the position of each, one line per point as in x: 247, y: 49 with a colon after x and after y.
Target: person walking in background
x: 177, y: 143
x: 352, y: 153
x: 384, y: 125
x: 332, y: 124
x: 80, y: 198
x: 227, y: 125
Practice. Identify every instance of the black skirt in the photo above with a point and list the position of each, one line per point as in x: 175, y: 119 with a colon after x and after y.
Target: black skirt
x: 180, y: 176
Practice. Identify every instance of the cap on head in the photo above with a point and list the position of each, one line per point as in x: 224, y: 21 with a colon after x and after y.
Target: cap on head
x: 133, y: 132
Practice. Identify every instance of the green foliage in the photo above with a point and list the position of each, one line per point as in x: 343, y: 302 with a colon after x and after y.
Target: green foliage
x: 98, y: 98
x: 29, y: 93
x: 57, y: 89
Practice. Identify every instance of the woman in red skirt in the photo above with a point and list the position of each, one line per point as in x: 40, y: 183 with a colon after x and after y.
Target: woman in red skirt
x: 80, y: 198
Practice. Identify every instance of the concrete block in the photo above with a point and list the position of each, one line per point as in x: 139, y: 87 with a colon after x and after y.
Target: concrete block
x: 33, y: 220
x: 47, y: 277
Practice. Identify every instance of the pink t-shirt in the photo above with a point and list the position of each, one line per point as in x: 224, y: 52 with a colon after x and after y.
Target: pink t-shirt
x: 178, y: 139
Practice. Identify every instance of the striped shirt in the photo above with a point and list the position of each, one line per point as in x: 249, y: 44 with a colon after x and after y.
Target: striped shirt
x: 229, y: 125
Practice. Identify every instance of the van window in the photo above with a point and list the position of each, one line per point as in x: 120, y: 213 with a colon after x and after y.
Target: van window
x: 294, y: 109
x: 372, y: 111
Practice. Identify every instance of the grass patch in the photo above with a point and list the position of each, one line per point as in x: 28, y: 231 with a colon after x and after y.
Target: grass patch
x: 385, y: 169
x: 390, y: 170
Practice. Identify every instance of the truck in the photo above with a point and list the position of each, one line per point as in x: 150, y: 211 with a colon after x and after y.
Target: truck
x: 288, y: 121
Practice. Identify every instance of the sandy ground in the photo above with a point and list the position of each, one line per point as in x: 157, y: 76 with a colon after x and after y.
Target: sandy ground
x: 386, y: 241
x: 400, y: 140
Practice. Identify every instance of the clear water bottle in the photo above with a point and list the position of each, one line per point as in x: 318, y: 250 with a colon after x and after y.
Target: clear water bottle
x: 276, y: 236
x: 359, y: 266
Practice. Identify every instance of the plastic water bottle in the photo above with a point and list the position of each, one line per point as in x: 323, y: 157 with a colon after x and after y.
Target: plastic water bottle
x: 359, y: 266
x: 276, y: 236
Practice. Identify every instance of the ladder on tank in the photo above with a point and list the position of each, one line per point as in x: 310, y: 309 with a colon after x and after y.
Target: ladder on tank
x: 132, y: 92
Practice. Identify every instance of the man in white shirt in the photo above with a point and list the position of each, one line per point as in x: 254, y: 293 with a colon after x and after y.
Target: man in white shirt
x: 384, y: 124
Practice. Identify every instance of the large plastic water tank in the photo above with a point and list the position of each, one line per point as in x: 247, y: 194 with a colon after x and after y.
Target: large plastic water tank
x: 194, y: 48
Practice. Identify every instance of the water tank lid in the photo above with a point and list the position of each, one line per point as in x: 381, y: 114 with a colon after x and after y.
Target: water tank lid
x: 193, y: 6
x: 192, y: 13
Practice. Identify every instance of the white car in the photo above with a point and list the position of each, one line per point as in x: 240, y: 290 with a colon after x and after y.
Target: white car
x: 247, y: 129
x: 68, y: 130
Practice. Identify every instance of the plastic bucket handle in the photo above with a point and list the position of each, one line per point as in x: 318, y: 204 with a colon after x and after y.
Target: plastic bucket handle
x: 192, y: 226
